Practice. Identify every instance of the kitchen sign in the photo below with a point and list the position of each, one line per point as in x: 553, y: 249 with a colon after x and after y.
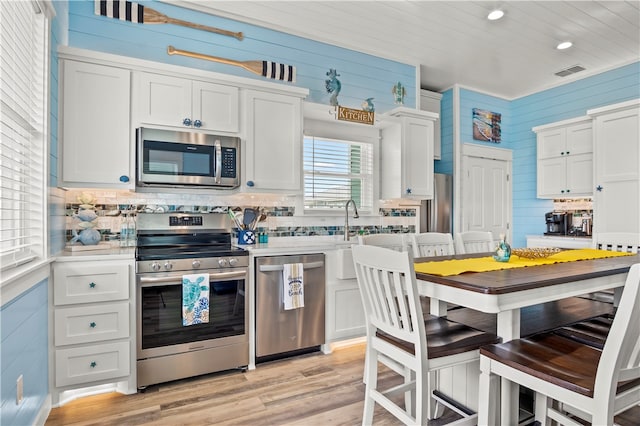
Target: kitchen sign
x: 355, y: 115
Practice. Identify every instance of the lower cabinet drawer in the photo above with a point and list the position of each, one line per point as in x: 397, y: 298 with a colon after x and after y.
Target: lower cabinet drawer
x: 92, y: 363
x: 88, y: 324
x: 88, y: 282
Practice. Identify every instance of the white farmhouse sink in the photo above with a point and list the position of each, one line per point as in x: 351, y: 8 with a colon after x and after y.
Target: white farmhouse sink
x: 344, y: 264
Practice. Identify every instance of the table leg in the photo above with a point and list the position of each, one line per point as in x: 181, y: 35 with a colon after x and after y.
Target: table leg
x: 437, y: 307
x: 509, y: 329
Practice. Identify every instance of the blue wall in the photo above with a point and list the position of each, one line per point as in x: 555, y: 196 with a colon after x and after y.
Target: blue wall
x: 445, y: 164
x: 23, y: 350
x: 362, y: 76
x: 560, y: 103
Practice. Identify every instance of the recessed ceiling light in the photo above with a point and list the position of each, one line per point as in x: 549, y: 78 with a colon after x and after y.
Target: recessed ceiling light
x: 564, y: 45
x: 495, y: 14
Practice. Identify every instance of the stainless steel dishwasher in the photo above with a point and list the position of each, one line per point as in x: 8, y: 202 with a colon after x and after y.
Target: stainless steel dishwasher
x: 279, y: 331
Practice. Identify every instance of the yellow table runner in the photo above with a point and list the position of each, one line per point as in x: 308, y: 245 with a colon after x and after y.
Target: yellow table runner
x: 484, y: 264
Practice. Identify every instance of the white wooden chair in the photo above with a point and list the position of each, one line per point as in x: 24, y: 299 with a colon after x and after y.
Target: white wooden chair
x: 430, y: 244
x: 614, y: 241
x: 474, y: 242
x: 398, y: 332
x: 395, y: 242
x: 568, y: 376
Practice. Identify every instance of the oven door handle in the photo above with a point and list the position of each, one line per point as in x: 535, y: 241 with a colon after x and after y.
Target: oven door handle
x: 178, y: 278
x: 275, y: 268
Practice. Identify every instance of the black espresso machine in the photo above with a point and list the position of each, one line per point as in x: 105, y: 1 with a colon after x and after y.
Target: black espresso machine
x: 557, y: 223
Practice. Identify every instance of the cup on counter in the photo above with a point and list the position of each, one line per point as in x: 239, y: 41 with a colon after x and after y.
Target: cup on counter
x: 246, y: 236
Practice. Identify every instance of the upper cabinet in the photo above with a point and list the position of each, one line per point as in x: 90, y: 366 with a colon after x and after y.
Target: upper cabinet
x: 180, y: 102
x: 406, y: 154
x: 616, y: 201
x: 565, y: 159
x: 273, y: 151
x: 430, y: 101
x: 95, y: 131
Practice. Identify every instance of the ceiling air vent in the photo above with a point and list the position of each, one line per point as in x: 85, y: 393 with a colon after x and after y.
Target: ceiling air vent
x: 571, y: 70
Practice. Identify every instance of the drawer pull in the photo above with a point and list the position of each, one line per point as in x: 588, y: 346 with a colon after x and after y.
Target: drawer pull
x: 92, y: 324
x: 92, y: 285
x: 93, y: 364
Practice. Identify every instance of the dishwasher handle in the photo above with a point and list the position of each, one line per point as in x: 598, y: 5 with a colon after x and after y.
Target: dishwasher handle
x: 305, y: 266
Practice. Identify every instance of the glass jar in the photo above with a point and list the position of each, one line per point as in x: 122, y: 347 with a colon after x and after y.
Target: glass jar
x: 502, y: 252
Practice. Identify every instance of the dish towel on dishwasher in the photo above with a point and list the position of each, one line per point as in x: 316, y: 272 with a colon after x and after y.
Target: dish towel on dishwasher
x: 293, y: 286
x: 195, y: 299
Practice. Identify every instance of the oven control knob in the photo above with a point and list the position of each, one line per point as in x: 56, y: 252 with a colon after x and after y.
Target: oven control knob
x: 223, y: 263
x: 195, y: 263
x: 168, y: 266
x: 155, y: 266
x: 233, y: 261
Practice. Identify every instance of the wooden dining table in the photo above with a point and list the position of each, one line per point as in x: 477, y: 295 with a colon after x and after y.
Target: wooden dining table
x: 505, y: 292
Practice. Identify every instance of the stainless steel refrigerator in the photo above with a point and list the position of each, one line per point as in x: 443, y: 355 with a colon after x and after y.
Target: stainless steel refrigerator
x: 437, y: 215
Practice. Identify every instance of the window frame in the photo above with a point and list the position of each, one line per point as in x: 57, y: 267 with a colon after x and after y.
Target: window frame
x: 36, y: 208
x: 322, y: 125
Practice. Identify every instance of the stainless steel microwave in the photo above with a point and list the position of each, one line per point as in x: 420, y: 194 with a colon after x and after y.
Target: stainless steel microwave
x: 169, y: 158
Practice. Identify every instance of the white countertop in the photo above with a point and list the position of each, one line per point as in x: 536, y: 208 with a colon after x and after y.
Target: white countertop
x: 113, y: 252
x: 295, y: 245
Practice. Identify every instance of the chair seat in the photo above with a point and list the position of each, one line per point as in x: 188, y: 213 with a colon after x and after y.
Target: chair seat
x: 445, y: 337
x: 592, y: 332
x: 555, y: 359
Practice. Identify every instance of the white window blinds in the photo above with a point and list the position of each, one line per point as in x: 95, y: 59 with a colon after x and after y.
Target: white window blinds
x: 23, y: 88
x: 336, y: 171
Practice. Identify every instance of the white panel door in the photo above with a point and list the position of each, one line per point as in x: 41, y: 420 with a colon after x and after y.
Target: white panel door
x: 418, y: 161
x: 617, y: 159
x: 163, y: 99
x: 486, y: 195
x: 216, y: 106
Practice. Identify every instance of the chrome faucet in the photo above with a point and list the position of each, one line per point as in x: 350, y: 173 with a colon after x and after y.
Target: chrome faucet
x: 346, y: 217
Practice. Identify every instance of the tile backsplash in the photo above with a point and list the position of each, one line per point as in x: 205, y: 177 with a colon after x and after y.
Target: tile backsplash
x: 113, y: 206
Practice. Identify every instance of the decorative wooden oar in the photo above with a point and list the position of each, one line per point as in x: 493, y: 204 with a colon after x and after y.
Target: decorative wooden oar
x: 134, y: 12
x: 273, y: 70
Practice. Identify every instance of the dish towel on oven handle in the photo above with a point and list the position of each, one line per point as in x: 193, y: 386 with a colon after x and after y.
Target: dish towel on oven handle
x: 293, y: 286
x: 195, y: 299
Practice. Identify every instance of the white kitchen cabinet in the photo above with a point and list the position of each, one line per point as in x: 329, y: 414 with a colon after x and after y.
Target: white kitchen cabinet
x: 565, y: 159
x: 406, y: 154
x: 544, y: 241
x: 179, y: 102
x: 273, y: 153
x: 616, y: 201
x: 93, y: 324
x: 430, y: 101
x: 95, y: 132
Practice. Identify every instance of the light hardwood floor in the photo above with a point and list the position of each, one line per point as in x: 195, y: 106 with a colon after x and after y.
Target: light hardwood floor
x: 311, y: 389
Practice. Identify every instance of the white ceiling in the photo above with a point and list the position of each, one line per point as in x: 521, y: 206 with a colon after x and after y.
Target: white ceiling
x: 454, y: 43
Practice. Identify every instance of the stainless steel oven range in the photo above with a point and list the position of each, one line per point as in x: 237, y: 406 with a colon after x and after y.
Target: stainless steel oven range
x: 169, y: 247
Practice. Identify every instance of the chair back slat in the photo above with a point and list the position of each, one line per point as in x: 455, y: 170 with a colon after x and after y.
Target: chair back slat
x: 620, y: 357
x: 387, y: 283
x: 474, y: 242
x: 430, y: 244
x: 617, y: 241
x: 395, y: 242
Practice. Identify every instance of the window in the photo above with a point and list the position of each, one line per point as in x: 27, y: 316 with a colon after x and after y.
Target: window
x: 336, y: 171
x: 23, y: 103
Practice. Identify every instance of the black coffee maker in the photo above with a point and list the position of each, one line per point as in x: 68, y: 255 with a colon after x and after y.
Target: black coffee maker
x: 556, y: 223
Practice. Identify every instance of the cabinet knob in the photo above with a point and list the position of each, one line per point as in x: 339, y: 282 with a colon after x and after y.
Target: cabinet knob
x: 124, y: 179
x: 408, y: 190
x: 92, y: 285
x: 250, y: 183
x: 567, y: 152
x: 562, y: 153
x: 562, y: 191
x: 197, y: 123
x: 92, y: 324
x: 93, y: 364
x: 568, y: 190
x: 186, y: 122
x: 599, y: 188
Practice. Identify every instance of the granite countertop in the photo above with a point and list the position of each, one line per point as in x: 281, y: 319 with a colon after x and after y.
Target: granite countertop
x: 110, y: 251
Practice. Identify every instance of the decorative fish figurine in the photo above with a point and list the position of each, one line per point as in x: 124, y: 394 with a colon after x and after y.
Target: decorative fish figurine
x: 368, y: 106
